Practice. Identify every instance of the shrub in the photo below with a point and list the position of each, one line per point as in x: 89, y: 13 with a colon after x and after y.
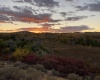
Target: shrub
x: 16, y: 73
x: 97, y: 77
x: 50, y: 63
x: 87, y: 78
x: 40, y: 49
x: 55, y: 73
x: 12, y: 73
x: 20, y: 64
x: 48, y: 77
x: 74, y: 77
x: 31, y: 58
x: 35, y: 73
x: 66, y: 65
x: 20, y: 53
x: 40, y: 67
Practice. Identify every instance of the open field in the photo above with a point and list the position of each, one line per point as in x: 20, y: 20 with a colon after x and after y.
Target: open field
x: 67, y: 53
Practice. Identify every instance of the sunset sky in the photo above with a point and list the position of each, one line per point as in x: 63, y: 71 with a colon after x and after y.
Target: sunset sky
x: 50, y: 16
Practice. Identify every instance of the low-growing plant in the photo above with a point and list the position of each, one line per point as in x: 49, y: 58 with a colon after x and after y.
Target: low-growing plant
x: 54, y: 72
x: 17, y: 73
x: 31, y: 58
x: 66, y: 65
x: 74, y: 76
x: 87, y: 78
x: 21, y: 65
x: 97, y: 77
x: 40, y: 67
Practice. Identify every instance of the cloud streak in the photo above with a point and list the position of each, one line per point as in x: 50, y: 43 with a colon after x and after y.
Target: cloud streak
x: 46, y: 3
x: 61, y: 30
x: 69, y: 0
x: 76, y: 18
x: 40, y: 3
x: 75, y: 28
x: 3, y: 18
x: 91, y: 7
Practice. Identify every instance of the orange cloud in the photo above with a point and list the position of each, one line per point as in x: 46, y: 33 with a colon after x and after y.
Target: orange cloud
x: 35, y: 20
x: 1, y: 21
x: 39, y: 30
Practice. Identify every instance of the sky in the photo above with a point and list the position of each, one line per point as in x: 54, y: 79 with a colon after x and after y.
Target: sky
x: 53, y: 16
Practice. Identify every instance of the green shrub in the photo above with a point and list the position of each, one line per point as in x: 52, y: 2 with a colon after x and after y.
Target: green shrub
x: 87, y: 78
x: 40, y: 67
x: 54, y: 72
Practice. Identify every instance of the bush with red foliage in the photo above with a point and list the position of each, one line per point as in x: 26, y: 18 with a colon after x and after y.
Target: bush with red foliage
x: 31, y: 58
x: 62, y: 64
x: 66, y: 65
x: 50, y: 63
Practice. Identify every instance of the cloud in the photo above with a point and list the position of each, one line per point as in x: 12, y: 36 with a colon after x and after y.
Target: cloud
x: 46, y: 3
x: 49, y: 25
x: 40, y: 3
x: 90, y: 7
x: 81, y: 8
x: 63, y: 14
x: 66, y: 29
x: 55, y: 20
x: 76, y: 18
x: 61, y: 30
x: 69, y: 0
x: 93, y: 15
x: 16, y: 15
x: 17, y: 1
x: 29, y: 1
x: 1, y: 21
x: 7, y: 31
x: 35, y: 29
x: 25, y: 14
x: 17, y: 8
x: 94, y: 6
x: 39, y: 18
x: 75, y: 28
x: 4, y: 18
x: 46, y: 24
